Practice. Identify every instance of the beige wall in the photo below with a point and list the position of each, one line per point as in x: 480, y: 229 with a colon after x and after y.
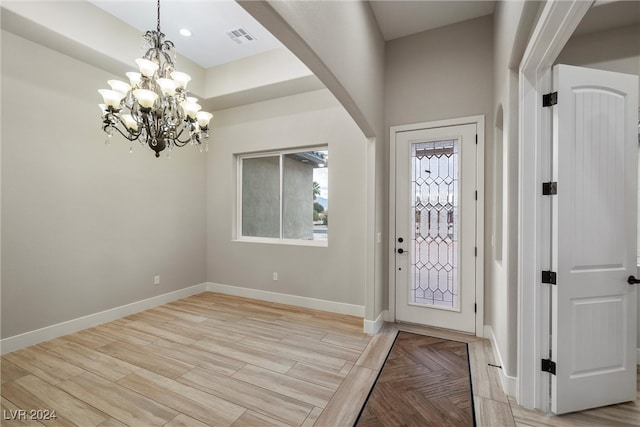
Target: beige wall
x: 349, y: 60
x: 352, y: 51
x: 613, y: 50
x: 441, y: 74
x: 334, y: 273
x: 513, y: 22
x: 85, y: 227
x: 85, y: 230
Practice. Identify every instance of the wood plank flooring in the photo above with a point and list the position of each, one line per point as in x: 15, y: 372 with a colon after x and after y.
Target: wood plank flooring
x: 220, y: 360
x: 622, y: 415
x: 424, y: 382
x: 210, y: 359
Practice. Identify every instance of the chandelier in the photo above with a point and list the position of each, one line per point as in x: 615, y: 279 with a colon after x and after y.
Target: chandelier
x: 154, y: 107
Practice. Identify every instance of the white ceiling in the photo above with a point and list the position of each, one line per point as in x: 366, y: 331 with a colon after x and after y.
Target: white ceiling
x: 209, y: 21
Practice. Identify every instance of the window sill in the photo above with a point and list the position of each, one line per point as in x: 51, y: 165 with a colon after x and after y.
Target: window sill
x: 286, y: 242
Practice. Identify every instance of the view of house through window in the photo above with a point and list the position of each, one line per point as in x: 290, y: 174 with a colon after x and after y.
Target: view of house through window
x: 284, y: 195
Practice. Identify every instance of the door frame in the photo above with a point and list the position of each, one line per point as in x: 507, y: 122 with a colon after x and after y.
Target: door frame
x: 556, y: 24
x: 479, y: 273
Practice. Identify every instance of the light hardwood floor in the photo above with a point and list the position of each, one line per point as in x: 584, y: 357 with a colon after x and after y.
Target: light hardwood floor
x: 214, y: 359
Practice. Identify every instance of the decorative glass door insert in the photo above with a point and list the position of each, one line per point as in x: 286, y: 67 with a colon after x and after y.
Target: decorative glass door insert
x: 434, y: 242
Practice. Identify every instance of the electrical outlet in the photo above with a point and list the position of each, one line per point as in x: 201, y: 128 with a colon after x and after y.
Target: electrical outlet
x: 156, y: 280
x: 275, y: 276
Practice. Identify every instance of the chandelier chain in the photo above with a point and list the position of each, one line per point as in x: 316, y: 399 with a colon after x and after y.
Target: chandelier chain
x: 158, y: 23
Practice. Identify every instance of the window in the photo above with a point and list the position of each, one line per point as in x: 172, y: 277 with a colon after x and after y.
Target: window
x: 283, y: 196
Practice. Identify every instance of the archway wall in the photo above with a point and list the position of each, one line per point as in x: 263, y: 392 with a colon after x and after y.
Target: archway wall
x: 349, y: 60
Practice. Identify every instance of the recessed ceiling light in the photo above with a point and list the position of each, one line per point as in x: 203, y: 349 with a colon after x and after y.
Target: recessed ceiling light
x: 185, y: 32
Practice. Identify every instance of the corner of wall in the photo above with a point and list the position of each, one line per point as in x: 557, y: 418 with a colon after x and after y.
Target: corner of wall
x: 282, y: 298
x: 372, y: 327
x: 509, y: 384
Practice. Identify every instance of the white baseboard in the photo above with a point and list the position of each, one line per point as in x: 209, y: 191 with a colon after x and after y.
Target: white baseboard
x: 26, y: 339
x: 509, y: 384
x: 313, y: 303
x: 373, y: 326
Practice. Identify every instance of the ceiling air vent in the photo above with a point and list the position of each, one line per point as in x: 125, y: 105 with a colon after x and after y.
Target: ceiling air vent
x: 241, y: 36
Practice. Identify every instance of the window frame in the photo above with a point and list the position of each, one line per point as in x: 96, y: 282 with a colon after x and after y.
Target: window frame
x: 281, y: 240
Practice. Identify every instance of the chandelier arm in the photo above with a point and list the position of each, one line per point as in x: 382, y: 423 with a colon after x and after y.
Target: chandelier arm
x: 135, y: 134
x: 181, y: 143
x: 110, y: 122
x: 130, y: 136
x: 167, y: 57
x: 146, y: 122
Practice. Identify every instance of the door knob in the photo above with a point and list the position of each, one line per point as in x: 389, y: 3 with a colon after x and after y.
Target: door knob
x: 632, y: 280
x: 400, y: 251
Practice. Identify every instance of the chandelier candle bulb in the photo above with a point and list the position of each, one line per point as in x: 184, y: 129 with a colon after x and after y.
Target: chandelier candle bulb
x: 190, y: 109
x: 130, y: 122
x: 147, y: 68
x: 111, y: 98
x: 168, y: 86
x: 203, y: 119
x: 134, y: 78
x: 120, y: 86
x: 181, y: 78
x: 146, y: 98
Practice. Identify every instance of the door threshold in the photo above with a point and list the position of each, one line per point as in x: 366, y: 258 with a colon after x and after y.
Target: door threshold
x: 433, y: 331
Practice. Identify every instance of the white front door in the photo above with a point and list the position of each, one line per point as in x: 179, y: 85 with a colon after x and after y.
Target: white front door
x: 594, y: 218
x: 435, y: 236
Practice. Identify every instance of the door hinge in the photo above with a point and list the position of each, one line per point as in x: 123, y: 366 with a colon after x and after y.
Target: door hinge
x: 475, y: 251
x: 549, y: 277
x: 476, y: 195
x: 549, y: 188
x: 548, y: 366
x: 476, y: 139
x: 549, y: 99
x: 475, y: 308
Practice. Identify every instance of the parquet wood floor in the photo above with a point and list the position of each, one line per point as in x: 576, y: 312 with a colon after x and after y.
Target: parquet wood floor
x: 220, y: 360
x: 424, y: 382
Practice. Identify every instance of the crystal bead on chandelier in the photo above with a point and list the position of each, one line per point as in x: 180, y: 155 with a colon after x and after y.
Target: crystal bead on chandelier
x: 153, y: 108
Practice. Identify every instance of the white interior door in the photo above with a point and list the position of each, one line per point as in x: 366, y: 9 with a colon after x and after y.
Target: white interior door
x: 594, y: 238
x: 435, y: 238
